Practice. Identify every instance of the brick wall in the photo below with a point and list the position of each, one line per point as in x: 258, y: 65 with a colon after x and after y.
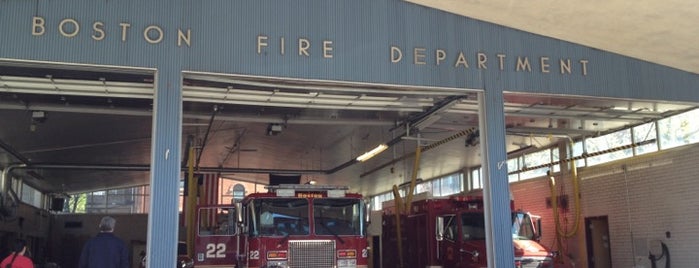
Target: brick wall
x: 662, y: 193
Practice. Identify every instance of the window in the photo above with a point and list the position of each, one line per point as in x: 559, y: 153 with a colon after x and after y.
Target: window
x: 513, y: 164
x: 377, y: 201
x: 217, y: 221
x: 442, y: 186
x: 607, y: 142
x: 644, y: 133
x: 578, y: 152
x: 450, y: 231
x: 337, y: 216
x: 522, y: 228
x: 131, y: 200
x: 279, y: 216
x: 31, y: 196
x: 476, y: 180
x: 473, y: 226
x: 555, y: 157
x: 226, y: 189
x: 423, y: 187
x: 447, y: 185
x: 679, y: 130
x: 666, y: 133
x: 536, y: 159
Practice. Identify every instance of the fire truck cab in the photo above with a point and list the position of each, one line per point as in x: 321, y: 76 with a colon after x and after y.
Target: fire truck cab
x: 289, y: 226
x: 450, y: 232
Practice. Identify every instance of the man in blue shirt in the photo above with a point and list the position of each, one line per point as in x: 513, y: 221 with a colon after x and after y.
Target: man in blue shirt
x: 105, y: 250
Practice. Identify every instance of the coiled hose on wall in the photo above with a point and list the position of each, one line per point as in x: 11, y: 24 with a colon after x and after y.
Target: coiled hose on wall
x: 560, y: 231
x: 665, y: 254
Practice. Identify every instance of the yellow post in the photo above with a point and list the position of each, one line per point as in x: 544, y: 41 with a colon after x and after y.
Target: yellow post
x: 403, y: 208
x: 398, y: 212
x: 190, y: 206
x: 416, y: 168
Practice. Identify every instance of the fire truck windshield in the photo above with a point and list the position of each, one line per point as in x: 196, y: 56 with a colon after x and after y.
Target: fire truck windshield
x: 338, y: 216
x: 522, y: 228
x: 290, y: 216
x: 279, y: 217
x: 473, y: 226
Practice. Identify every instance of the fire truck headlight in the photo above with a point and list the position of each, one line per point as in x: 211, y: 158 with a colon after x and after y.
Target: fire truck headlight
x: 546, y: 263
x: 277, y: 264
x: 348, y: 263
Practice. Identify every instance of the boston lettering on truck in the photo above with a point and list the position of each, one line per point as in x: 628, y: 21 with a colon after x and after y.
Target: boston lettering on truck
x: 291, y: 226
x: 450, y: 232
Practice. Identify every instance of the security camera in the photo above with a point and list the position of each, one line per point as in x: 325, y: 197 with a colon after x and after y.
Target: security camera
x: 274, y: 129
x: 39, y: 116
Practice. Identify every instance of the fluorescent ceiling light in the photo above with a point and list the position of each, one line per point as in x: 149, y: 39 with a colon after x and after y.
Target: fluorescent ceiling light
x: 372, y: 153
x: 56, y: 86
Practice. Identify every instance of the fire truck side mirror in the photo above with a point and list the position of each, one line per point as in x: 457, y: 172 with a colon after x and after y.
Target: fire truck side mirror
x: 238, y: 195
x: 239, y: 212
x: 439, y: 227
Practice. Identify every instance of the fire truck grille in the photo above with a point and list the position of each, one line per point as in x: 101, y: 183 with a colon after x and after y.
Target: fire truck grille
x: 311, y: 254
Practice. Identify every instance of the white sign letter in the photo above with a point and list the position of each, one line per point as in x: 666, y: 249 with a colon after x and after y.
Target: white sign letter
x: 501, y: 57
x: 187, y: 38
x: 261, y: 42
x: 544, y: 64
x: 327, y: 49
x: 523, y: 64
x: 396, y: 54
x: 98, y: 27
x: 482, y: 59
x: 304, y: 45
x: 584, y: 66
x: 124, y: 27
x: 440, y: 55
x: 76, y: 28
x: 38, y: 27
x: 419, y: 55
x: 157, y: 29
x: 461, y: 60
x: 565, y: 66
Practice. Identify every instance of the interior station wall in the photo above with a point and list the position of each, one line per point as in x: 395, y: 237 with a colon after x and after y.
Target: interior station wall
x: 654, y: 201
x: 30, y: 224
x: 69, y: 233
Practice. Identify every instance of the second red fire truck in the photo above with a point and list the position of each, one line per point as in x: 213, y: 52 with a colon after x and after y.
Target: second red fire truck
x: 450, y: 232
x: 290, y: 226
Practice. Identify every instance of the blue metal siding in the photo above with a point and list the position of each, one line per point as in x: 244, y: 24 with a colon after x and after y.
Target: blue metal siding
x: 496, y: 188
x: 224, y: 41
x: 165, y: 170
x: 362, y: 31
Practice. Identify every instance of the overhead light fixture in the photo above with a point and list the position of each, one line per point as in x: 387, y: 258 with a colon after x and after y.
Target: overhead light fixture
x: 50, y: 85
x: 372, y: 153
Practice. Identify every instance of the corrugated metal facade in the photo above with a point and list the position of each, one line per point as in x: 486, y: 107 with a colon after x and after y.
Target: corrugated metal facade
x: 330, y: 40
x: 223, y: 38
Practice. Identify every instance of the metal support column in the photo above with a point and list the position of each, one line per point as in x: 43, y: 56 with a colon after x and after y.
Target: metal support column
x: 165, y: 168
x: 496, y: 191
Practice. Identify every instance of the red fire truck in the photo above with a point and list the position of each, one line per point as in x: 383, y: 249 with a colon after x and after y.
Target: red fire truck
x: 290, y: 226
x: 450, y: 232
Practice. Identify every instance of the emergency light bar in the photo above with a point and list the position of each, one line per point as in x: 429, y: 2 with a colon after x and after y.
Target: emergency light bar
x: 292, y: 189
